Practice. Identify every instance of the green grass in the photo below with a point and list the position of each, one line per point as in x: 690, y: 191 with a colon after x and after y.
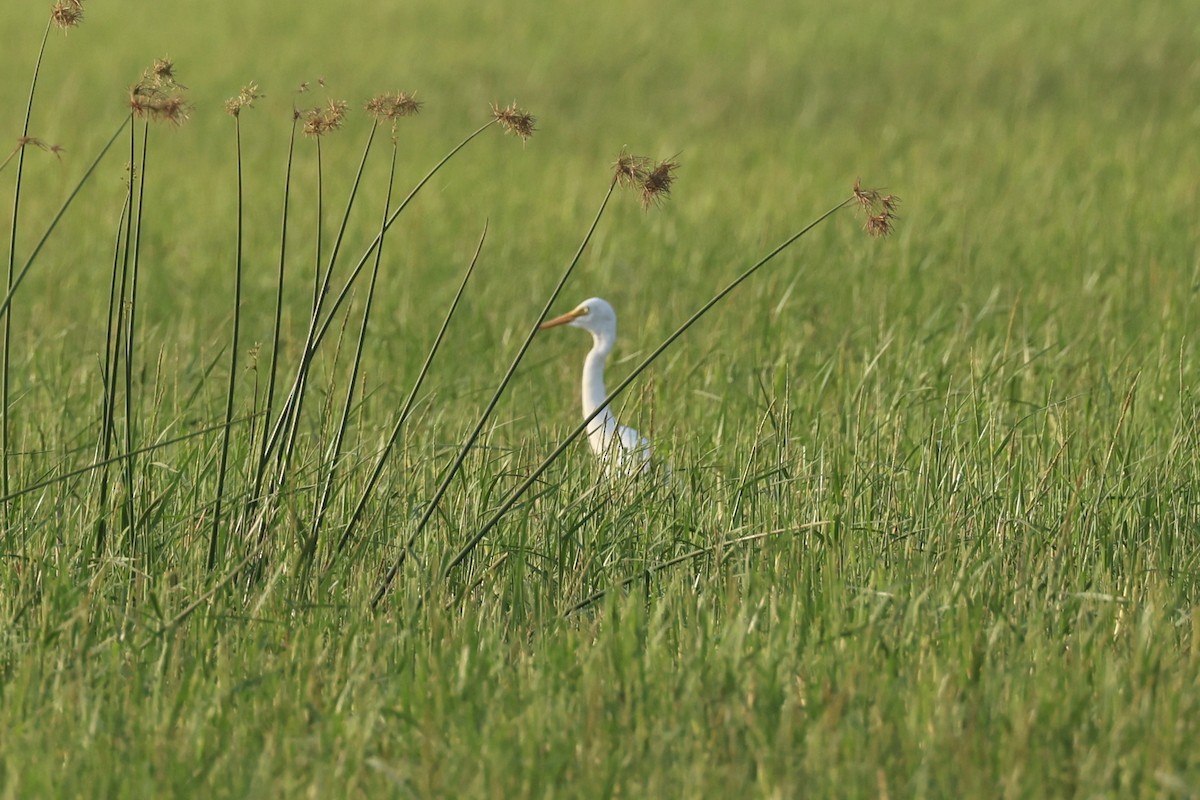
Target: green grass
x: 944, y: 486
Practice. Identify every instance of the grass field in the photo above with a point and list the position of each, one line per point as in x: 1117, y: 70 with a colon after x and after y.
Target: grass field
x: 933, y: 521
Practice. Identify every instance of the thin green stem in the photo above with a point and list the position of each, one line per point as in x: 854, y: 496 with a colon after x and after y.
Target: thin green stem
x: 109, y: 376
x: 141, y: 451
x: 289, y: 415
x: 345, y: 291
x: 214, y: 535
x: 260, y: 469
x: 691, y: 555
x: 5, y: 445
x: 319, y: 231
x: 294, y: 408
x: 335, y: 450
x: 520, y: 490
x: 432, y: 505
x: 21, y: 273
x: 130, y: 346
x: 357, y: 515
x: 118, y: 331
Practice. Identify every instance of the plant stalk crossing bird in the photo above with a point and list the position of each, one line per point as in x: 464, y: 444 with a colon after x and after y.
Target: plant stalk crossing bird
x: 618, y: 447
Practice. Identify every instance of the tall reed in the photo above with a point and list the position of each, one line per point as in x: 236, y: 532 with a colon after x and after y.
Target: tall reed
x: 234, y: 107
x: 65, y: 14
x: 385, y: 108
x: 629, y: 170
x: 283, y: 430
x: 880, y: 211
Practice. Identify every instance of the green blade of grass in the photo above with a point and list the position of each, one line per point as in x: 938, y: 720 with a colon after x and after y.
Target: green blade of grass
x: 525, y: 485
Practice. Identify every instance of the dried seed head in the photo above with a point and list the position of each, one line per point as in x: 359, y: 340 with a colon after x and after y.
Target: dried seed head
x: 879, y: 225
x: 163, y: 72
x: 67, y: 14
x: 656, y: 186
x: 320, y: 121
x: 53, y: 149
x: 158, y: 96
x: 630, y: 170
x: 880, y: 209
x: 866, y: 198
x: 158, y: 107
x: 393, y: 105
x: 244, y: 99
x: 515, y: 121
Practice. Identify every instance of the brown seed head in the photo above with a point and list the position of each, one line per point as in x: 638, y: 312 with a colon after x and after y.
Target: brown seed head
x: 879, y: 225
x: 148, y: 105
x: 53, y: 149
x: 630, y: 170
x: 163, y: 72
x: 67, y: 14
x: 158, y: 96
x: 515, y: 121
x: 320, y: 121
x: 244, y: 99
x: 880, y: 209
x: 656, y: 186
x: 393, y: 105
x: 866, y: 198
x: 159, y: 106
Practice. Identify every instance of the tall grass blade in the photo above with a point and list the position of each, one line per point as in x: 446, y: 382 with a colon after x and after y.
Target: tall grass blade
x: 5, y: 446
x: 356, y: 516
x: 432, y: 505
x: 525, y: 485
x: 335, y: 450
x: 215, y: 532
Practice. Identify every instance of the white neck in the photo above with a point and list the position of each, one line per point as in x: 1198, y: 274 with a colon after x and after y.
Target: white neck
x: 594, y: 392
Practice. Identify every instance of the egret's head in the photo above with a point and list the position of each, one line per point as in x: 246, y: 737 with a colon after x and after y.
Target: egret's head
x: 595, y: 316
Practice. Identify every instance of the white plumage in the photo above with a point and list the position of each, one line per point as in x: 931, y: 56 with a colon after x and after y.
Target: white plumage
x: 618, y: 447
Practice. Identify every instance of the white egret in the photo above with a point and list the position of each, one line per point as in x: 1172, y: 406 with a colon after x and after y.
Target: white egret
x: 618, y: 447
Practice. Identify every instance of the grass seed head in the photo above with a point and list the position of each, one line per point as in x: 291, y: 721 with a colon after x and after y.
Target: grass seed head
x: 67, y: 14
x: 879, y: 225
x: 25, y: 141
x: 514, y: 120
x: 391, y: 106
x: 323, y: 119
x: 866, y: 198
x: 630, y: 170
x: 244, y: 99
x: 162, y: 74
x: 157, y: 96
x: 54, y: 149
x: 880, y: 209
x: 656, y: 185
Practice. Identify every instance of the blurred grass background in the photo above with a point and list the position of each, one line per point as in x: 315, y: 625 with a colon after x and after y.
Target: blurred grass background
x: 993, y: 409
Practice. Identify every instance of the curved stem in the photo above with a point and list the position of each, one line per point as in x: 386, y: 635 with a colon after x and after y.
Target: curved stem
x: 516, y: 493
x: 431, y: 507
x: 12, y: 263
x: 233, y: 358
x: 360, y: 507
